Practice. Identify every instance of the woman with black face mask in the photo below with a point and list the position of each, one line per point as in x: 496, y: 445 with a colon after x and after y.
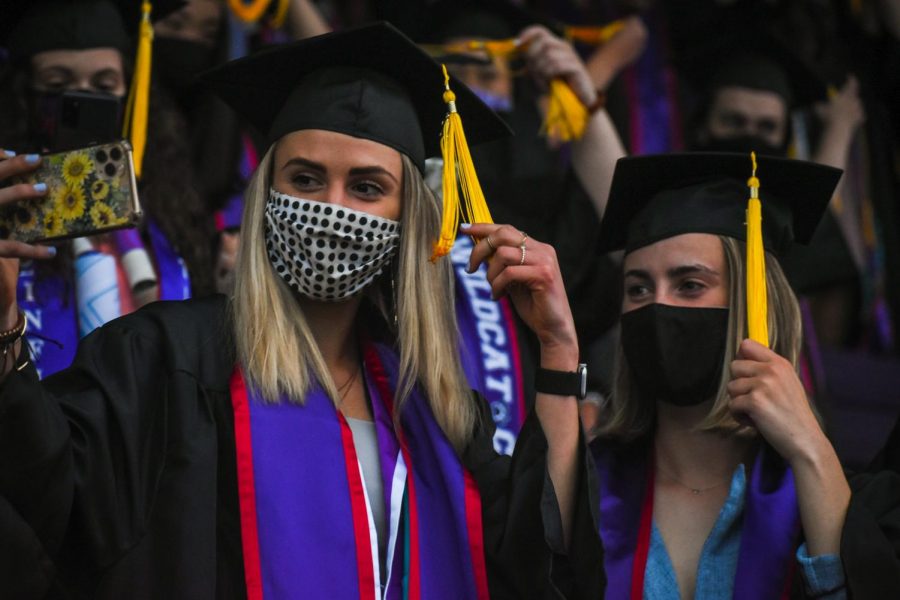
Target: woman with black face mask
x: 716, y: 479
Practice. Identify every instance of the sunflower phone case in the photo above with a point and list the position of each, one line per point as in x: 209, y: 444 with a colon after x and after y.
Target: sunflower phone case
x: 89, y: 191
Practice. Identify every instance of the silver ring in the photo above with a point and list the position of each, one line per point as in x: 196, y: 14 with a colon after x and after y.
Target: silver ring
x: 522, y: 248
x: 524, y: 238
x: 490, y: 244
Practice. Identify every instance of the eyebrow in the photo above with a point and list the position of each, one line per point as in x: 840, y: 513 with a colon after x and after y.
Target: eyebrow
x: 674, y: 271
x: 355, y: 171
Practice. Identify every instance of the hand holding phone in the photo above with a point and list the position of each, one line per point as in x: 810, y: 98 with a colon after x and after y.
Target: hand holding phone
x: 89, y: 191
x: 12, y: 166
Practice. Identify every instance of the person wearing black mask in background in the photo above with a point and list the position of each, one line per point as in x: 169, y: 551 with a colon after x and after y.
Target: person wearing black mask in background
x: 60, y: 46
x: 749, y: 92
x: 715, y: 477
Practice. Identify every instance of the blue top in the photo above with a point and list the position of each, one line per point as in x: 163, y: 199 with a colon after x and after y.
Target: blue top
x: 822, y: 575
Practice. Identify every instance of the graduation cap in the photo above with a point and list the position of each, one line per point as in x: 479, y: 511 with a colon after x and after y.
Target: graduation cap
x: 754, y: 60
x: 29, y: 28
x: 374, y: 83
x: 655, y: 197
x: 371, y: 82
x: 486, y: 19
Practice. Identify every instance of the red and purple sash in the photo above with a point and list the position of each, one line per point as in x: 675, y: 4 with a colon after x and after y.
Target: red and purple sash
x: 49, y: 302
x: 769, y: 535
x: 655, y: 125
x: 306, y: 527
x: 489, y: 347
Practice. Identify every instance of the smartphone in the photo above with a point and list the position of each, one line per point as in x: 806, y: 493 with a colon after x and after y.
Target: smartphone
x: 76, y: 119
x: 89, y: 191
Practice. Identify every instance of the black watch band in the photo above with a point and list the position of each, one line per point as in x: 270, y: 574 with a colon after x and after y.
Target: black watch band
x: 562, y: 383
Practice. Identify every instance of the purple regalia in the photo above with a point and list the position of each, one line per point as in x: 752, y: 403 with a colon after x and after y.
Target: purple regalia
x: 770, y: 532
x: 307, y: 528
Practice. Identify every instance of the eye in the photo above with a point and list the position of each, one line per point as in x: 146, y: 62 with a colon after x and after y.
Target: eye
x: 636, y: 290
x: 766, y: 126
x: 305, y: 181
x: 54, y: 84
x: 368, y: 189
x: 692, y: 287
x: 734, y: 120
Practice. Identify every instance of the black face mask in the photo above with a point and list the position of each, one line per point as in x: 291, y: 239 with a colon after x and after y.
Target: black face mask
x: 743, y: 144
x: 675, y: 353
x: 178, y: 62
x: 73, y: 119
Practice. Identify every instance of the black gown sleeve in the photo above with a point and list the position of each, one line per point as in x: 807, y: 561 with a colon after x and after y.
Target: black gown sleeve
x: 870, y: 539
x: 83, y: 452
x: 522, y: 526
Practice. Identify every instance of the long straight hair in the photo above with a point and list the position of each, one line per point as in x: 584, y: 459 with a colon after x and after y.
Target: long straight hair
x: 628, y: 416
x: 276, y: 347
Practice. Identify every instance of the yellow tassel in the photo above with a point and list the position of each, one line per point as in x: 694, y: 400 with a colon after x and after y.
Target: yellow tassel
x: 566, y: 117
x: 281, y: 14
x: 458, y: 177
x: 495, y: 48
x: 138, y: 106
x: 594, y: 36
x: 757, y: 303
x: 249, y: 13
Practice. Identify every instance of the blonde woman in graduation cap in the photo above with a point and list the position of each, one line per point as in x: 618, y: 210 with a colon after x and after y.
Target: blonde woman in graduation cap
x: 716, y: 479
x: 312, y: 437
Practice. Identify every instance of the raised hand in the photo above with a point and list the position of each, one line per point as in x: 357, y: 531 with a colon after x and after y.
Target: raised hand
x: 549, y: 57
x: 765, y: 388
x: 526, y: 271
x: 11, y: 251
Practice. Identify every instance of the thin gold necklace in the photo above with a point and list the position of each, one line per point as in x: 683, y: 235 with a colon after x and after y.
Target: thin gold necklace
x: 345, y: 388
x: 694, y: 490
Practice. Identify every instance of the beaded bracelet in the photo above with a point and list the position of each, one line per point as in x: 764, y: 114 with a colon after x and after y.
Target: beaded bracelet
x: 18, y: 330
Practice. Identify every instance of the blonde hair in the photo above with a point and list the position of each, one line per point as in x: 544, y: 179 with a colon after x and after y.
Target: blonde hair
x: 627, y: 416
x: 275, y: 345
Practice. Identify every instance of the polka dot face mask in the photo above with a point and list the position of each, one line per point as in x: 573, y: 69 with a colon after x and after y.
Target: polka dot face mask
x: 324, y: 251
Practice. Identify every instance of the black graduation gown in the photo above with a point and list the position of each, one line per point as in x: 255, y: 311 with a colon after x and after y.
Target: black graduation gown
x: 122, y: 469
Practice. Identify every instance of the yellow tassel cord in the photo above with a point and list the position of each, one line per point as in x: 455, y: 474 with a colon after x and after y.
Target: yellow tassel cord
x: 757, y: 303
x: 458, y: 176
x: 594, y: 36
x: 249, y: 13
x: 566, y: 117
x: 281, y: 13
x: 138, y: 106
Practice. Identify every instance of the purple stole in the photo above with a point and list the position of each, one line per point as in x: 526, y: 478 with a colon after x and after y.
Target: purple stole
x: 769, y: 537
x: 306, y: 525
x: 489, y: 347
x: 171, y: 272
x: 49, y: 302
x: 652, y: 95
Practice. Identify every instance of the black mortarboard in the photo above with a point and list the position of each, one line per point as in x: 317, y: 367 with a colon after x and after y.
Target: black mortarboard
x: 656, y: 197
x: 487, y: 19
x: 755, y: 60
x: 371, y: 82
x: 28, y: 28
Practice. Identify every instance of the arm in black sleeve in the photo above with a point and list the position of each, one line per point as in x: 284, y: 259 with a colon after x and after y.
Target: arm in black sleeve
x: 82, y: 451
x: 522, y: 524
x: 870, y: 539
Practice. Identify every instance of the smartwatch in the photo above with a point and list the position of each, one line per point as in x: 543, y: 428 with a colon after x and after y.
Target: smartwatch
x: 562, y: 383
